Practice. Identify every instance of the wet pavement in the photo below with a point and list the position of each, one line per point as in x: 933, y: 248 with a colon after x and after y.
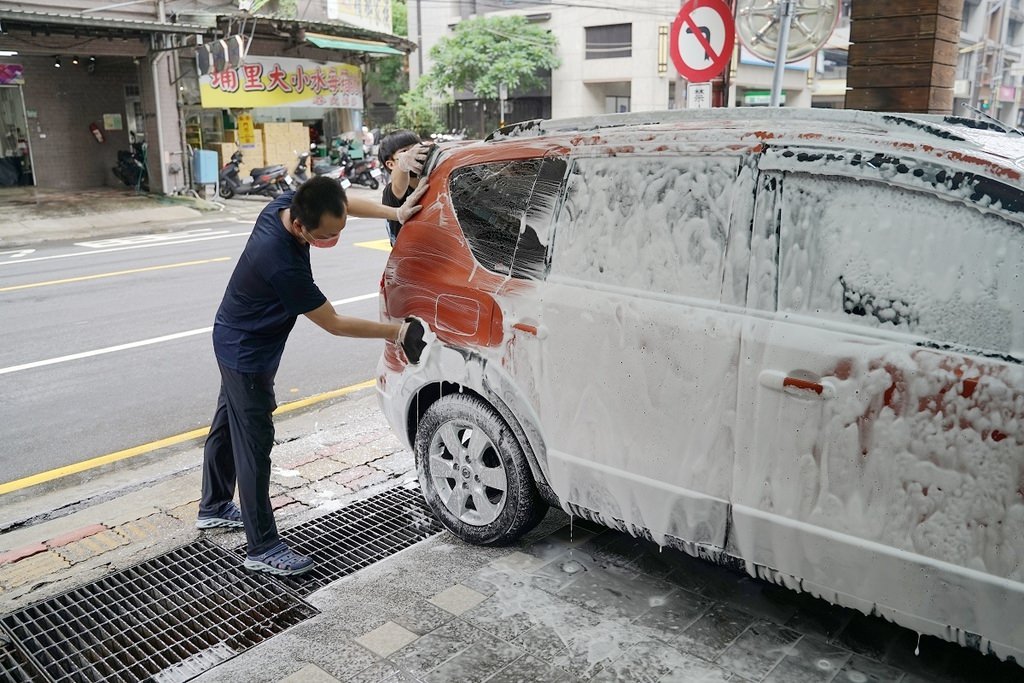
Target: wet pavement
x: 570, y: 602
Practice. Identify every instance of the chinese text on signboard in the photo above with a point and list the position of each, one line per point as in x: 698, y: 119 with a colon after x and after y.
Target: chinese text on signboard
x: 282, y: 82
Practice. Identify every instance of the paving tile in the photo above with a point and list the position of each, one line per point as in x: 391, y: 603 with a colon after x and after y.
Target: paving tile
x: 481, y: 660
x: 578, y: 645
x: 358, y: 455
x: 556, y: 544
x: 868, y: 636
x: 758, y: 650
x: 89, y: 547
x: 435, y: 648
x: 675, y: 614
x: 187, y: 512
x: 714, y: 631
x: 387, y: 639
x: 817, y: 617
x: 703, y: 576
x: 762, y: 599
x: 614, y: 548
x: 148, y: 530
x: 375, y: 673
x: 509, y: 613
x: 22, y: 552
x: 458, y: 599
x: 75, y: 535
x: 809, y: 661
x: 615, y: 595
x: 860, y: 669
x: 321, y: 468
x: 421, y: 617
x: 971, y: 665
x: 647, y: 662
x: 31, y: 569
x: 528, y: 669
x: 310, y: 673
x: 371, y: 479
x: 346, y: 477
x: 286, y: 479
x: 518, y: 561
x: 396, y: 463
x: 931, y: 659
x: 698, y: 671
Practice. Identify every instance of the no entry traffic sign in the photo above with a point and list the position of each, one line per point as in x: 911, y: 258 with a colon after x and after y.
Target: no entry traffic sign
x: 702, y: 39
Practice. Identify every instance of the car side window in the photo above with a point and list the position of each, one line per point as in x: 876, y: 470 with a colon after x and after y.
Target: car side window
x: 888, y: 258
x: 656, y: 224
x: 504, y: 211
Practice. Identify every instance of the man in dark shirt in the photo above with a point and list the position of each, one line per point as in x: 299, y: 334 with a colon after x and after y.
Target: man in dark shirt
x: 403, y: 155
x: 271, y: 286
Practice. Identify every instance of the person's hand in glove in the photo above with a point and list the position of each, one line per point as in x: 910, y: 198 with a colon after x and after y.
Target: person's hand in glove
x: 411, y: 205
x: 410, y: 338
x: 411, y: 160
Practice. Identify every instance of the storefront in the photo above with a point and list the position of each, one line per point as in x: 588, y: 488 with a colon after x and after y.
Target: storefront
x: 77, y: 90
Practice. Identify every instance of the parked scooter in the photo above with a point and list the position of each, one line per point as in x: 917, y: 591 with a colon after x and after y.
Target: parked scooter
x: 269, y: 181
x: 362, y: 171
x: 320, y: 168
x: 131, y: 167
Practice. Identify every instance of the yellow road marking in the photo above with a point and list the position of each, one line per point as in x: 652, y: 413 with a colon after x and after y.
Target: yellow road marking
x: 383, y: 245
x: 77, y: 467
x: 119, y: 272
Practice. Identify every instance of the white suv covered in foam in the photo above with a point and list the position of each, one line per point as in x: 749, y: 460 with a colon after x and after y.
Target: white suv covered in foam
x: 792, y: 340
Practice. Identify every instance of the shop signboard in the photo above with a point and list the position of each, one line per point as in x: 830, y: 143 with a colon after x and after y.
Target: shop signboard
x: 283, y: 82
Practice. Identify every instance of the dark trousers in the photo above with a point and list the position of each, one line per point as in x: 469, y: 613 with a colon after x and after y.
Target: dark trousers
x: 238, y: 449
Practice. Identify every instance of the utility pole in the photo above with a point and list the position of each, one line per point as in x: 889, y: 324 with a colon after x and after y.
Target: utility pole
x: 785, y: 19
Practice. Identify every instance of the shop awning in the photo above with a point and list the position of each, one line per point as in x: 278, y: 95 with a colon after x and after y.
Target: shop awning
x: 351, y: 44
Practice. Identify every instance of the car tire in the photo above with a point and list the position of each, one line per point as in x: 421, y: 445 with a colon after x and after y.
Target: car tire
x: 487, y: 497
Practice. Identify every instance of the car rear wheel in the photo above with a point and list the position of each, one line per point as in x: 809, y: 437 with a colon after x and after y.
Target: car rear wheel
x: 473, y: 472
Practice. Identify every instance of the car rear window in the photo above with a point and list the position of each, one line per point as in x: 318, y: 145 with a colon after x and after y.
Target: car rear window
x: 504, y: 210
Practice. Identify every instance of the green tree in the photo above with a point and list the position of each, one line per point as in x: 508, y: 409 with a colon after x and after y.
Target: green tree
x: 416, y: 112
x: 390, y: 76
x: 487, y: 51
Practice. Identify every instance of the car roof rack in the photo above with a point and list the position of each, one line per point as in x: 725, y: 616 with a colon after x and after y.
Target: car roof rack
x: 931, y: 125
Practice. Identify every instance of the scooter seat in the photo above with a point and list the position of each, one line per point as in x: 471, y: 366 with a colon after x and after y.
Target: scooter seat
x: 267, y: 170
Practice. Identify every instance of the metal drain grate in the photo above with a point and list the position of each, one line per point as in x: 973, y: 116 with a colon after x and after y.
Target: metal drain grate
x: 347, y: 540
x: 167, y: 619
x: 15, y: 667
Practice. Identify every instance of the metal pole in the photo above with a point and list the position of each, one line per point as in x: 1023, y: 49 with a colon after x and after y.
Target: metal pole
x: 785, y: 17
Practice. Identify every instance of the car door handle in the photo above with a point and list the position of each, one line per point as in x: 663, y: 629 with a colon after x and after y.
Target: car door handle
x: 796, y: 386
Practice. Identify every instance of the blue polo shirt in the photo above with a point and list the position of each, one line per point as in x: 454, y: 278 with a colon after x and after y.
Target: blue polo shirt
x: 272, y: 285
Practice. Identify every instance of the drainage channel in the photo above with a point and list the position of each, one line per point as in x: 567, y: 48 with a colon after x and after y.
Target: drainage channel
x: 175, y: 616
x: 356, y: 536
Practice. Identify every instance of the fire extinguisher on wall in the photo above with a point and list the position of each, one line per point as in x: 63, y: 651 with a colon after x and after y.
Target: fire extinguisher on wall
x: 96, y: 132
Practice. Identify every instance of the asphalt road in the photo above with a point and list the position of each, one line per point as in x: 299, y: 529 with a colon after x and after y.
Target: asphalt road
x: 106, y: 344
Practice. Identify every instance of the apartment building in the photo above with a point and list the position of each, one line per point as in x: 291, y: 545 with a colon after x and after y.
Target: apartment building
x: 990, y: 69
x: 615, y: 57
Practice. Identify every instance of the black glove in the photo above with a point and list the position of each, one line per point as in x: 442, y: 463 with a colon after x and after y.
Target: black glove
x: 411, y: 339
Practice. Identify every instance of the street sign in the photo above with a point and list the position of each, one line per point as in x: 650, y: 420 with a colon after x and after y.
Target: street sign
x: 246, y: 131
x: 702, y: 39
x: 698, y: 96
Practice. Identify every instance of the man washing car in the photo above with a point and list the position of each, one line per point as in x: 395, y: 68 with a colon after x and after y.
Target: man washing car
x: 271, y: 286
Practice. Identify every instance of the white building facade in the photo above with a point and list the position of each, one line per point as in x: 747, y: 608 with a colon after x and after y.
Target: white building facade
x: 612, y: 60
